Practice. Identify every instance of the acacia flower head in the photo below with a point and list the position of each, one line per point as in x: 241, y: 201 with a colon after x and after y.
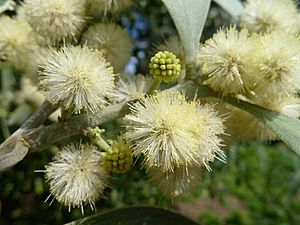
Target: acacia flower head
x: 77, y: 77
x: 75, y: 176
x: 170, y: 131
x: 226, y: 58
x: 131, y: 87
x: 277, y: 64
x: 178, y: 183
x: 113, y: 40
x: 17, y: 42
x: 55, y: 20
x: 266, y: 15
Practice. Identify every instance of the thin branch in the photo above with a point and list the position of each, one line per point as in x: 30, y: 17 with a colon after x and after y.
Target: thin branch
x: 43, y: 112
x: 43, y: 137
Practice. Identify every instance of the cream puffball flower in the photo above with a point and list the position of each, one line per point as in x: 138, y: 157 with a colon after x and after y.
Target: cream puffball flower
x: 266, y: 15
x: 178, y: 183
x: 55, y: 20
x: 113, y: 40
x: 77, y: 77
x: 171, y: 132
x: 131, y: 87
x: 225, y: 61
x: 17, y: 42
x: 277, y: 64
x: 95, y: 7
x: 75, y: 176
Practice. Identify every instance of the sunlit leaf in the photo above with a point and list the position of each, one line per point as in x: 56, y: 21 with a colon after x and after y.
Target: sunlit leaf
x: 286, y: 128
x: 189, y: 17
x: 233, y: 7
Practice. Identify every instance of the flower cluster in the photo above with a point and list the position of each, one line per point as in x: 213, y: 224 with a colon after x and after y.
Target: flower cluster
x: 77, y: 77
x: 173, y: 135
x: 260, y: 66
x: 106, y: 37
x: 55, y: 20
x: 75, y: 176
x: 77, y: 60
x: 171, y: 132
x: 16, y: 41
x: 265, y: 16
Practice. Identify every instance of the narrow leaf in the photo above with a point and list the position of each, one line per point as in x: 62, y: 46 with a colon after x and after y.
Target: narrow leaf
x: 13, y: 150
x: 7, y: 5
x: 136, y: 215
x: 233, y: 7
x: 189, y: 17
x: 285, y: 127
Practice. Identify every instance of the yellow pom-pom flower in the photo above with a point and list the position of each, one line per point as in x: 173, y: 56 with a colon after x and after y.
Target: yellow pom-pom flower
x: 276, y: 64
x: 178, y: 183
x: 55, y: 20
x: 96, y: 7
x: 77, y: 77
x: 165, y: 66
x: 118, y: 159
x: 226, y: 60
x: 75, y: 176
x: 171, y: 132
x: 266, y: 15
x: 17, y: 42
x: 113, y: 40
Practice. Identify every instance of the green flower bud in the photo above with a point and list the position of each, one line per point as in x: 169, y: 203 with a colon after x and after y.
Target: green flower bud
x: 165, y: 66
x: 118, y: 159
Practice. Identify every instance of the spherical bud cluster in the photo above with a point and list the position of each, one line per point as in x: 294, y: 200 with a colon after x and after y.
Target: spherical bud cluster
x: 171, y: 132
x: 17, y: 42
x: 263, y: 16
x: 226, y: 60
x: 55, y: 20
x: 173, y: 45
x: 77, y: 77
x: 113, y: 40
x: 75, y: 176
x: 165, y: 66
x: 118, y: 159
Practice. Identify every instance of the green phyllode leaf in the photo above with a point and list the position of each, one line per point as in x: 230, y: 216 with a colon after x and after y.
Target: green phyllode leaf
x: 285, y: 127
x: 232, y: 7
x: 189, y: 17
x: 136, y: 215
x: 7, y: 5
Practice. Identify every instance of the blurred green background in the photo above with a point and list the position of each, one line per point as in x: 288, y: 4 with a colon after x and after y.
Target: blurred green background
x: 259, y: 185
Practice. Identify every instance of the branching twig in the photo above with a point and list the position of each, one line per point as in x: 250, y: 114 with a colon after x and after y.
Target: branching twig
x: 46, y: 136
